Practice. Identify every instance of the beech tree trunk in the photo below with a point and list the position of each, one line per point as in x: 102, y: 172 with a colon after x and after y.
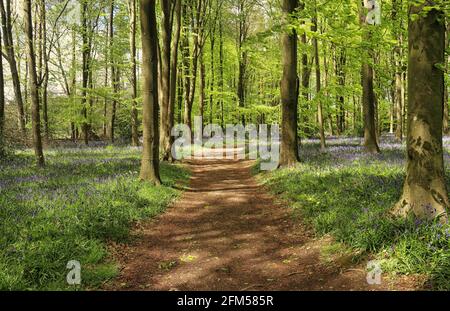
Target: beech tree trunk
x: 318, y: 83
x: 134, y: 86
x: 34, y: 88
x: 5, y: 11
x: 289, y: 90
x: 45, y: 74
x: 174, y: 74
x: 369, y: 99
x: 149, y: 35
x: 446, y: 96
x: 86, y: 51
x: 2, y: 103
x: 166, y: 40
x: 398, y: 55
x: 185, y: 49
x: 115, y: 74
x: 424, y: 192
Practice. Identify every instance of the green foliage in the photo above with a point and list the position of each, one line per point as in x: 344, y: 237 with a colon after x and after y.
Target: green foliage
x: 84, y: 198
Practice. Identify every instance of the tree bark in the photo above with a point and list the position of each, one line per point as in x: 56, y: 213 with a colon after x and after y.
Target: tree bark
x: 202, y: 98
x: 86, y: 55
x: 2, y: 103
x: 289, y: 89
x: 45, y: 74
x: 369, y: 100
x: 34, y: 88
x: 187, y: 65
x: 8, y: 43
x: 150, y: 157
x: 115, y: 74
x: 221, y: 71
x: 424, y: 192
x: 318, y: 82
x: 398, y: 56
x: 446, y: 129
x: 174, y: 74
x: 134, y: 86
x: 166, y: 39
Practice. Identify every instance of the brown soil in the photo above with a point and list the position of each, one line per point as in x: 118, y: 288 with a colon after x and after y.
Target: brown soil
x: 227, y: 233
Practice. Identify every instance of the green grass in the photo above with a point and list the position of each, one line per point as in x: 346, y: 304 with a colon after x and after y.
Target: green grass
x: 70, y: 210
x: 350, y: 199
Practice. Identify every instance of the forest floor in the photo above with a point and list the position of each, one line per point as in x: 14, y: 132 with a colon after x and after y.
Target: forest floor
x: 227, y: 232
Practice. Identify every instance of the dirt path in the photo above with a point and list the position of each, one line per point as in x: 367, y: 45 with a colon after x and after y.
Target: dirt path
x: 227, y: 233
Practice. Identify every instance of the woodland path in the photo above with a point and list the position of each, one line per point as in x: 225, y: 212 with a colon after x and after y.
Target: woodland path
x: 227, y: 233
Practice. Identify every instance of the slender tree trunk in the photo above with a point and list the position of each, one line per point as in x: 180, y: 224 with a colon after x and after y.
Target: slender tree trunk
x: 318, y: 83
x: 86, y: 51
x: 306, y: 76
x: 8, y: 43
x: 115, y: 74
x: 34, y: 89
x: 2, y: 103
x: 398, y: 57
x: 369, y: 100
x: 73, y: 90
x: 447, y: 67
x: 134, y: 86
x: 166, y: 39
x: 150, y: 157
x: 221, y: 72
x: 45, y: 77
x: 289, y: 90
x: 424, y: 192
x: 180, y: 95
x: 242, y: 56
x: 213, y: 76
x: 174, y: 74
x: 187, y: 66
x: 105, y: 102
x: 202, y: 99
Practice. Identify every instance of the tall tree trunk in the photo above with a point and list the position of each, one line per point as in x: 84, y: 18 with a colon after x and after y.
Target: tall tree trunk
x: 150, y: 156
x: 134, y: 86
x: 187, y: 65
x: 369, y: 100
x: 86, y: 51
x: 424, y: 192
x: 45, y: 68
x: 446, y: 129
x: 213, y: 76
x: 180, y: 95
x: 34, y: 89
x: 242, y: 56
x: 289, y: 90
x: 174, y: 74
x: 166, y: 39
x: 398, y: 62
x: 340, y: 71
x: 221, y: 72
x: 72, y: 91
x: 115, y: 74
x: 2, y: 103
x: 318, y: 82
x: 306, y: 76
x: 202, y: 98
x: 8, y: 43
x: 107, y: 61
